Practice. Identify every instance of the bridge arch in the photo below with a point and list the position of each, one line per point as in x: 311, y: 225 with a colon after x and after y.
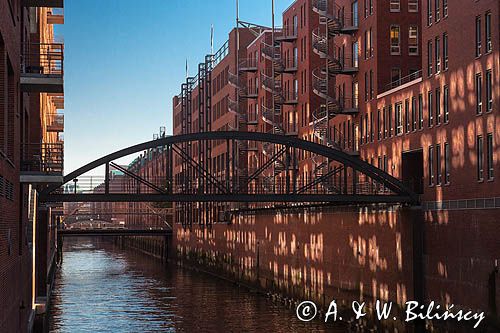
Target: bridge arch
x: 400, y: 193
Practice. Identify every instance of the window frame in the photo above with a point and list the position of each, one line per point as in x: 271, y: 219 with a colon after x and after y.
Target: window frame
x: 446, y: 104
x: 478, y: 36
x: 430, y: 110
x: 430, y: 165
x: 413, y: 48
x: 413, y: 6
x: 395, y: 6
x: 480, y: 158
x: 488, y: 34
x: 478, y: 81
x: 395, y: 49
x: 489, y: 90
x: 490, y: 162
x: 446, y: 163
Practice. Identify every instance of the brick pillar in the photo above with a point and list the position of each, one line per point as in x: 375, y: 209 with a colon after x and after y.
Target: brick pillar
x: 43, y: 216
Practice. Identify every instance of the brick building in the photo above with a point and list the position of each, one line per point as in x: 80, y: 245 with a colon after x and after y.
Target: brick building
x: 412, y: 87
x: 31, y: 155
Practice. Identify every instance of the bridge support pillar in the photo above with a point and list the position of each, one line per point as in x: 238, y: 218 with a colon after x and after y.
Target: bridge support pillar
x: 41, y: 250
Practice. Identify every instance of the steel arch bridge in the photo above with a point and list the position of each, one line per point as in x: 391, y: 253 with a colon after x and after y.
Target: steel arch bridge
x: 347, y: 179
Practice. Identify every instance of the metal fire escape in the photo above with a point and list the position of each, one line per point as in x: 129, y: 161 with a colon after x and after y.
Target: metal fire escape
x: 332, y: 23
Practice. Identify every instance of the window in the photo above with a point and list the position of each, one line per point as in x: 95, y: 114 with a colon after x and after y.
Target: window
x: 446, y: 109
x: 295, y: 25
x: 437, y: 52
x: 371, y: 127
x: 379, y: 128
x: 413, y: 6
x: 365, y: 44
x: 385, y: 122
x: 429, y: 12
x: 480, y: 157
x: 354, y: 13
x: 413, y: 40
x: 399, y: 121
x: 430, y: 165
x: 366, y: 8
x: 372, y: 90
x: 429, y: 107
x: 366, y: 87
x: 390, y: 120
x: 489, y: 91
x: 414, y: 114
x: 371, y: 7
x: 438, y: 106
x: 371, y: 42
x: 478, y: 36
x: 355, y: 94
x: 429, y: 58
x: 355, y: 51
x: 446, y: 163
x: 407, y: 116
x: 295, y: 57
x: 488, y: 32
x: 479, y: 94
x: 395, y: 75
x: 420, y: 111
x: 489, y: 152
x: 395, y: 5
x: 445, y: 51
x: 438, y: 165
x: 395, y: 40
x: 445, y: 8
x: 437, y: 8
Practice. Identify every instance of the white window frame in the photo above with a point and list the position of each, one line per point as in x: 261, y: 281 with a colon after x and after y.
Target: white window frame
x: 395, y: 49
x: 413, y: 6
x: 395, y: 6
x: 413, y: 48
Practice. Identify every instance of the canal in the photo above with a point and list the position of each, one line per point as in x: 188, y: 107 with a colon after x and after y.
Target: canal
x: 102, y: 288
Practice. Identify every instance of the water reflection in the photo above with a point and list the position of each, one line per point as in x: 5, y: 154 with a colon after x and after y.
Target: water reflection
x: 101, y: 288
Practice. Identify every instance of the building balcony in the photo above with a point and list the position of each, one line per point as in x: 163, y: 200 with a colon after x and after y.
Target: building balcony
x: 55, y: 16
x: 248, y: 65
x: 42, y: 163
x: 57, y: 100
x: 287, y: 33
x: 55, y: 122
x: 44, y: 3
x: 42, y: 68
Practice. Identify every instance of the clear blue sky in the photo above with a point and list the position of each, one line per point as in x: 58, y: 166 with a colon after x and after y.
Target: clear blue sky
x: 124, y: 60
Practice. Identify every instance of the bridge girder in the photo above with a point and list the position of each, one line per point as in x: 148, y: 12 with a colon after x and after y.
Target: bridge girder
x: 402, y: 194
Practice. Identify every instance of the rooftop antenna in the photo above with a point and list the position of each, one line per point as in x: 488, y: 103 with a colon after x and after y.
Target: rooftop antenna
x: 212, y: 39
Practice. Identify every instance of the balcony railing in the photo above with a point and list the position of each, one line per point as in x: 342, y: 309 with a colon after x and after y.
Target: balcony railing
x: 404, y: 80
x: 248, y: 65
x: 45, y: 158
x: 288, y: 33
x: 46, y: 59
x: 55, y: 122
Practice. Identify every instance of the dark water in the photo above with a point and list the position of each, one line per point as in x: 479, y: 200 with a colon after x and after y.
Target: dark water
x: 101, y: 288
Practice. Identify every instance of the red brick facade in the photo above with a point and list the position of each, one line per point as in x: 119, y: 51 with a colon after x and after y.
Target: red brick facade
x: 388, y: 126
x: 25, y: 118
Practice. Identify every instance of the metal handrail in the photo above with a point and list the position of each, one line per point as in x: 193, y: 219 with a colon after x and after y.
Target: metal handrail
x: 42, y: 157
x: 406, y: 79
x: 43, y: 59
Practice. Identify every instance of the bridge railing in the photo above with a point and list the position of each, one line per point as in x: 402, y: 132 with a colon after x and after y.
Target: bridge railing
x: 244, y: 185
